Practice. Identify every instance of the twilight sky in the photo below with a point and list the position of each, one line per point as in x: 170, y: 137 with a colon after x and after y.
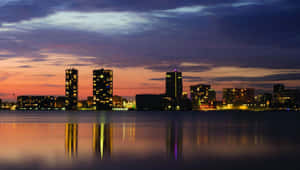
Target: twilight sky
x: 227, y: 43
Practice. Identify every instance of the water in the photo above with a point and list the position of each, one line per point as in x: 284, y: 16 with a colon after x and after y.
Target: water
x: 149, y: 140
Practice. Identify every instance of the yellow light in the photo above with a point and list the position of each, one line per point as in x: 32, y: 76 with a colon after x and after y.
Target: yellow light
x: 243, y: 107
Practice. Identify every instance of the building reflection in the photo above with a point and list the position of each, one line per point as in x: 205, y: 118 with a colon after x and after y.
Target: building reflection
x: 174, y: 140
x: 71, y: 141
x: 231, y: 133
x: 102, y: 140
x: 128, y: 132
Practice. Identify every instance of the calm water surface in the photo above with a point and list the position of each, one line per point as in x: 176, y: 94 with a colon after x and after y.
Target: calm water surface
x: 149, y: 140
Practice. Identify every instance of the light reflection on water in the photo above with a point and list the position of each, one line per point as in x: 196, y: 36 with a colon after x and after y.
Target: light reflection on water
x: 60, y: 137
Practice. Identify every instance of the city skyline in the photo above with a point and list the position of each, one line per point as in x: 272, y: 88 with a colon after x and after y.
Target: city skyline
x: 237, y: 43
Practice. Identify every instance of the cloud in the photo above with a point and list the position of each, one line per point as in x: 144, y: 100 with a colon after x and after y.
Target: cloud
x: 80, y: 65
x: 103, y: 22
x: 275, y: 77
x: 166, y: 68
x: 4, y: 77
x: 25, y: 66
x: 44, y: 75
x: 99, y: 29
x: 52, y: 85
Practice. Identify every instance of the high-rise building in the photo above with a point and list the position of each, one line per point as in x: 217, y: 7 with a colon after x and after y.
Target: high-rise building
x: 102, y: 89
x: 202, y: 96
x: 238, y: 96
x: 174, y: 84
x: 71, y: 89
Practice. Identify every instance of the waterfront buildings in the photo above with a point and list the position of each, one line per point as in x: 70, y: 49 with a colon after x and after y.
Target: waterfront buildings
x: 263, y: 100
x: 150, y: 102
x: 285, y: 98
x: 238, y: 96
x: 202, y: 96
x: 71, y: 89
x: 60, y: 102
x: 102, y: 89
x: 174, y: 84
x: 35, y: 102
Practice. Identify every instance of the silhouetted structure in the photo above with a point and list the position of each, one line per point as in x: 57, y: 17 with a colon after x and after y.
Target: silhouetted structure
x: 173, y: 84
x: 35, y: 102
x: 174, y: 99
x: 71, y: 89
x: 237, y: 96
x: 118, y: 102
x: 285, y: 98
x: 60, y: 102
x: 174, y: 140
x: 264, y: 100
x: 202, y: 96
x: 102, y: 140
x: 71, y: 141
x: 102, y: 89
x: 150, y: 102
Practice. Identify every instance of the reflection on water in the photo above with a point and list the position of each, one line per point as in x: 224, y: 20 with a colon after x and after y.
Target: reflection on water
x: 144, y: 137
x: 174, y: 140
x: 71, y: 139
x: 102, y: 140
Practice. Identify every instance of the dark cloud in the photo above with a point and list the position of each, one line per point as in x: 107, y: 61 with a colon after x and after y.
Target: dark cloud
x: 4, y: 94
x: 157, y: 79
x: 4, y: 76
x: 166, y: 68
x: 53, y: 85
x: 79, y: 65
x: 44, y: 75
x: 265, y: 35
x: 185, y: 78
x: 269, y: 25
x: 27, y: 9
x: 25, y: 66
x: 275, y: 77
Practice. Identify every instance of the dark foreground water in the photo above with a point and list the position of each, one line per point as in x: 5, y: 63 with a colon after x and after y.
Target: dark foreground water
x: 150, y: 140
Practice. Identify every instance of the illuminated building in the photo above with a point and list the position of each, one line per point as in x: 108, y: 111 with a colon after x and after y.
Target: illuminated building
x: 8, y: 106
x: 60, y: 102
x: 263, y: 100
x: 102, y: 89
x: 174, y: 140
x: 71, y: 89
x: 35, y: 102
x: 150, y: 102
x: 118, y: 102
x: 130, y: 103
x: 174, y: 99
x: 238, y: 96
x: 285, y: 98
x: 202, y: 96
x: 173, y: 84
x: 71, y: 141
x: 102, y: 140
x: 90, y: 101
x: 1, y: 103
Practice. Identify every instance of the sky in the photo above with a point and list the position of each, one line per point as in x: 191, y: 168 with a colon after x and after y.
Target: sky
x: 225, y: 43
